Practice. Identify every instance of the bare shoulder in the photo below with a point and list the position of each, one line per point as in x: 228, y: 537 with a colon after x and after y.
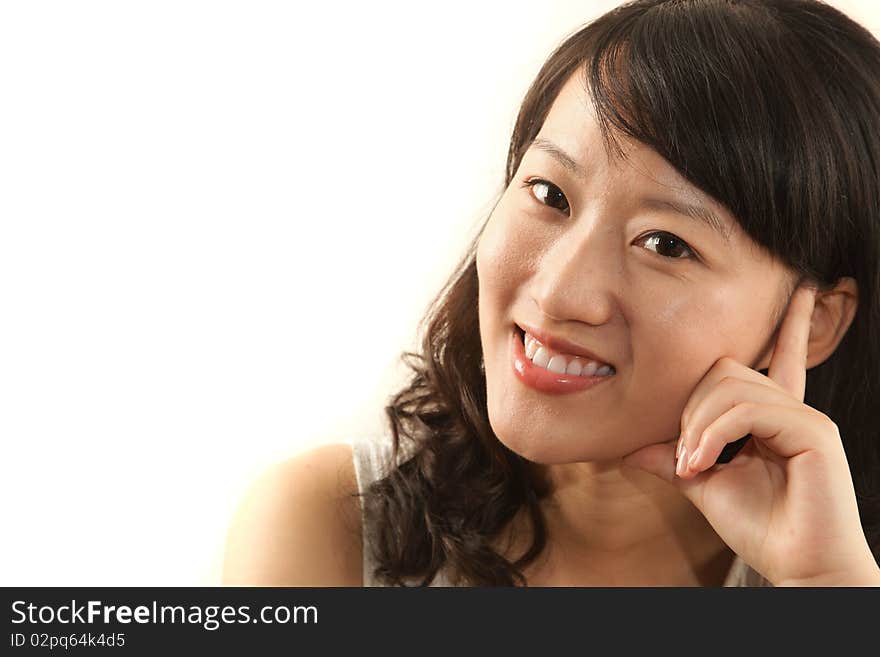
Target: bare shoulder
x: 299, y: 524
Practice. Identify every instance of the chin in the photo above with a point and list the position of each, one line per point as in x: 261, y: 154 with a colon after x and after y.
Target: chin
x: 537, y: 447
x: 531, y: 432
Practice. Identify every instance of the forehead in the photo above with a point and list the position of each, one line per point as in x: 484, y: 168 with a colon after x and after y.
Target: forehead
x: 572, y: 124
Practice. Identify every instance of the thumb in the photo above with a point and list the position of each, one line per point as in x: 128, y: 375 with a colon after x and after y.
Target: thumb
x: 659, y: 460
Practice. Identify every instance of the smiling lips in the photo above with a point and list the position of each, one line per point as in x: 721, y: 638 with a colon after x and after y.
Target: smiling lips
x: 539, y: 377
x: 561, y: 363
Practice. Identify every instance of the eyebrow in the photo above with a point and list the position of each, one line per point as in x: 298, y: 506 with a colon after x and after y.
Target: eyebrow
x: 698, y: 212
x: 560, y: 155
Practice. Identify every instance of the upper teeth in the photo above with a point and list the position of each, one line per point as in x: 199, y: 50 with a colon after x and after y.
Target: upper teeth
x: 554, y: 361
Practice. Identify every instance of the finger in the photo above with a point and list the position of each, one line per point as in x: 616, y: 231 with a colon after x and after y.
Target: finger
x: 786, y: 430
x: 722, y: 368
x: 788, y: 365
x: 657, y: 459
x: 729, y: 392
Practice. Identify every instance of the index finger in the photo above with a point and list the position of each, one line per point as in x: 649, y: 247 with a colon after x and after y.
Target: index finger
x: 788, y: 365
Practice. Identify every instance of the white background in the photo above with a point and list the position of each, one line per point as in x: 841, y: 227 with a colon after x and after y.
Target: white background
x: 220, y: 223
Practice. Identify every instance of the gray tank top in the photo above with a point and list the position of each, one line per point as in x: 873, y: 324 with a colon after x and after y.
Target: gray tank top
x: 372, y: 456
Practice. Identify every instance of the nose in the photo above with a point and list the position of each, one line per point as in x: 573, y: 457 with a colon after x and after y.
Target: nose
x: 577, y: 276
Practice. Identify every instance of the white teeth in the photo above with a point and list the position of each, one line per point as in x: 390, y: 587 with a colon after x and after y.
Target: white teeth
x: 541, y: 357
x: 557, y: 364
x: 574, y: 368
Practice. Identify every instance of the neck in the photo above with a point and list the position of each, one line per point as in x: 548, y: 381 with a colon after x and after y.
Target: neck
x: 608, y: 522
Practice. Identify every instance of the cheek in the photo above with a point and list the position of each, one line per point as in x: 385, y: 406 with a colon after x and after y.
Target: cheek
x: 677, y: 342
x: 502, y: 259
x: 740, y: 319
x: 691, y: 332
x: 681, y: 347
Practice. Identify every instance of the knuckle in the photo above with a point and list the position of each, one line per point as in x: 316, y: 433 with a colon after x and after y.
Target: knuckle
x: 830, y: 425
x: 747, y: 407
x: 730, y: 382
x: 726, y: 363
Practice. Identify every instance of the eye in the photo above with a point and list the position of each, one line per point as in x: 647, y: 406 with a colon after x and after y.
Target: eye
x: 547, y: 194
x: 668, y: 245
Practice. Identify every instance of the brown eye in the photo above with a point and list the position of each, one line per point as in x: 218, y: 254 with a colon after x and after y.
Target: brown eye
x: 547, y: 194
x: 668, y: 245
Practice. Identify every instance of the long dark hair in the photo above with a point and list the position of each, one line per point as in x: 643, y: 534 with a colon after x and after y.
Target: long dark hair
x: 772, y: 107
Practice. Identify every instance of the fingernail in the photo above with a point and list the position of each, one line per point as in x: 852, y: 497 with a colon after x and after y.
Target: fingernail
x: 696, y: 455
x: 680, y: 465
x: 679, y: 446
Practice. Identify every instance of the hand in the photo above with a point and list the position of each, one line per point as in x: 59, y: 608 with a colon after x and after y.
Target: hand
x: 786, y: 503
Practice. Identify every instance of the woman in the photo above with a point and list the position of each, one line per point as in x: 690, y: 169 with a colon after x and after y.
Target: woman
x: 659, y: 361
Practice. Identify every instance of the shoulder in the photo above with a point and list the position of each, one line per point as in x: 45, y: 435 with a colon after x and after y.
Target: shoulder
x: 299, y: 524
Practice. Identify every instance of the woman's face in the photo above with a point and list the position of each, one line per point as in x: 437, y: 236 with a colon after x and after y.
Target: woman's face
x: 580, y: 257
